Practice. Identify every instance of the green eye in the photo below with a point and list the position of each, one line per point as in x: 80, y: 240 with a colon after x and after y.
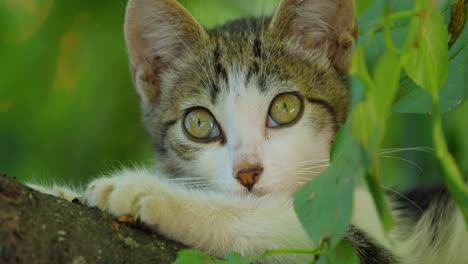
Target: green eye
x: 284, y: 110
x: 200, y: 124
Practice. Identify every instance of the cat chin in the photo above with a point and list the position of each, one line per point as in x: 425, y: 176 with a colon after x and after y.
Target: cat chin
x: 261, y: 191
x: 258, y: 192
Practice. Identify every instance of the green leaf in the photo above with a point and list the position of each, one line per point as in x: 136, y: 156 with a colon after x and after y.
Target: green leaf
x: 369, y: 116
x: 426, y: 61
x: 344, y: 253
x: 414, y: 99
x: 359, y: 70
x: 195, y: 257
x: 369, y: 119
x: 324, y: 205
x: 425, y: 57
x: 452, y: 176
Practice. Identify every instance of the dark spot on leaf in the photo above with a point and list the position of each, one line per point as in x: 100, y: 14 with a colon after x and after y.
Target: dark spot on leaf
x: 311, y: 196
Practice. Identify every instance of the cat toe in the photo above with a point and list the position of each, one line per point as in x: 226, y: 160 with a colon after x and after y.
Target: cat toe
x: 151, y: 209
x: 98, y: 192
x: 124, y: 200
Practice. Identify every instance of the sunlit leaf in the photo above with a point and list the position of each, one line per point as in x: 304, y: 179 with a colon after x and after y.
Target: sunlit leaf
x: 453, y: 93
x: 369, y: 116
x: 194, y: 256
x: 426, y: 53
x: 369, y: 119
x: 198, y: 257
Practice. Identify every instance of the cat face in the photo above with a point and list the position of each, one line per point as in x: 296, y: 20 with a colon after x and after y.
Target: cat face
x: 251, y: 106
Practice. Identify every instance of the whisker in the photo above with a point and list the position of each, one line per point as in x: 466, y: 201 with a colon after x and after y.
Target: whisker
x: 198, y: 184
x: 403, y: 196
x: 318, y: 166
x: 313, y: 161
x: 188, y: 178
x: 308, y: 177
x: 303, y: 176
x: 402, y: 159
x: 309, y: 170
x: 193, y: 183
x: 396, y: 150
x: 190, y: 181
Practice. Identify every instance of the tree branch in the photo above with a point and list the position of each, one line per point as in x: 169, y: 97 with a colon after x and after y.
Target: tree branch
x: 39, y: 228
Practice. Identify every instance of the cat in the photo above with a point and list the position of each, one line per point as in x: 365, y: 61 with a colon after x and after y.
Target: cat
x: 241, y: 116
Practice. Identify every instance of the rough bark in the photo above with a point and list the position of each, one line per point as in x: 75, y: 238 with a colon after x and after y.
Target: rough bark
x: 38, y: 228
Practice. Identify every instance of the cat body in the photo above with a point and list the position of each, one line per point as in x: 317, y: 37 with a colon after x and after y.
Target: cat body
x: 243, y: 115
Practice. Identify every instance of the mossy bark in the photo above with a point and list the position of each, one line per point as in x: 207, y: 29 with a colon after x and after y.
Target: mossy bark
x: 39, y: 228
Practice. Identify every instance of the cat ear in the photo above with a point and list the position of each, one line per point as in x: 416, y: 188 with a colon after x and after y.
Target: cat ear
x: 156, y: 33
x: 329, y: 25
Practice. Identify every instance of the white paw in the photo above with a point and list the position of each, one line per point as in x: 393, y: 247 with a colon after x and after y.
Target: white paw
x: 141, y: 197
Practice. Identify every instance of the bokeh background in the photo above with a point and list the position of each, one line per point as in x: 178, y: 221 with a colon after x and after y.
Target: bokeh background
x: 68, y: 110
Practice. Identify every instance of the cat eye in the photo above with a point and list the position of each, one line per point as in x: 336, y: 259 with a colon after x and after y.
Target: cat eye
x: 200, y: 125
x: 285, y: 109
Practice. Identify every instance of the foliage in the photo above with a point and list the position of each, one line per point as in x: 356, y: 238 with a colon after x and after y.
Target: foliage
x: 67, y: 109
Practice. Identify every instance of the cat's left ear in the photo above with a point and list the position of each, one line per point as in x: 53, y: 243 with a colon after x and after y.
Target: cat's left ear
x: 327, y: 25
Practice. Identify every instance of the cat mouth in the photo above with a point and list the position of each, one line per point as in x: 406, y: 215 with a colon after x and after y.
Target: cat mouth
x: 256, y: 192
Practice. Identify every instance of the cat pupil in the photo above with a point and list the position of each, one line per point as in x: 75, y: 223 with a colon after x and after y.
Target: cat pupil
x: 285, y: 107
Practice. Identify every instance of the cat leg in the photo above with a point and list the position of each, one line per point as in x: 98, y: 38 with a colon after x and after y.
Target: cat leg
x: 213, y: 222
x: 66, y: 193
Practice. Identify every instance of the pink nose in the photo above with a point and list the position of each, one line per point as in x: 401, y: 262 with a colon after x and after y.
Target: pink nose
x: 249, y: 176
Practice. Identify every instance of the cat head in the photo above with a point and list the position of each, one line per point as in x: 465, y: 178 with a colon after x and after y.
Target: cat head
x: 250, y: 106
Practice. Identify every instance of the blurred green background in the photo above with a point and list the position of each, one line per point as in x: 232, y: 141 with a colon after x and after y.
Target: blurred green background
x: 68, y: 110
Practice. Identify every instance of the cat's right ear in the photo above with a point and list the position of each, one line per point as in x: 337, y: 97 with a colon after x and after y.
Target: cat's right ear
x: 156, y: 33
x: 327, y: 26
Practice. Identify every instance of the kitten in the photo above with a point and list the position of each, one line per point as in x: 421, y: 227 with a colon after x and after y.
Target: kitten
x: 241, y: 116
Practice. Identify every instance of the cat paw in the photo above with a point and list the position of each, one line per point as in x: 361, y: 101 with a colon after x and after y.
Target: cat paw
x: 140, y: 197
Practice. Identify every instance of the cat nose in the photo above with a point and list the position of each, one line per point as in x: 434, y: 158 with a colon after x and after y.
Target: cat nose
x: 249, y: 176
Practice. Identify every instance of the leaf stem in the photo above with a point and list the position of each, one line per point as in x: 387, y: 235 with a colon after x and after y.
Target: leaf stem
x: 322, y: 246
x: 452, y: 176
x: 385, y: 24
x: 290, y: 251
x: 403, y: 14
